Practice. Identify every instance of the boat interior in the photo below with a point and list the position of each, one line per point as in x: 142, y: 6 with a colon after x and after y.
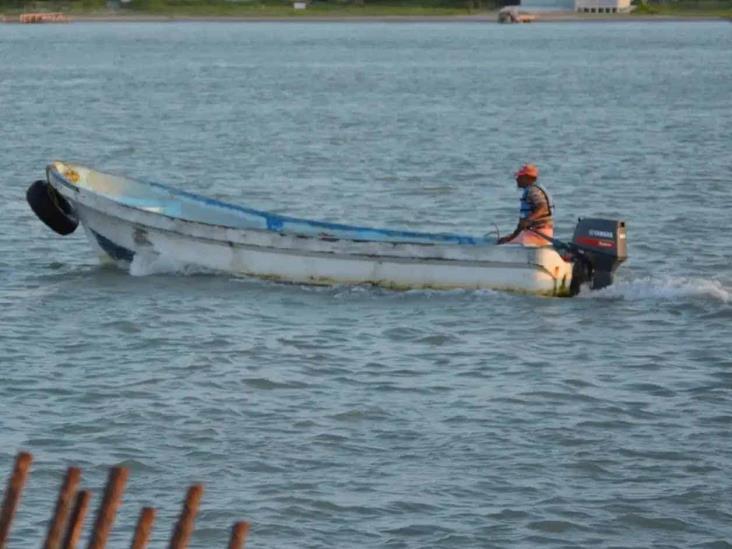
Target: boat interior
x: 170, y: 202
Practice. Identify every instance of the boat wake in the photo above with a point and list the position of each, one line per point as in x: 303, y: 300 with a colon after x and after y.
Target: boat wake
x: 154, y: 264
x: 668, y: 288
x: 647, y: 288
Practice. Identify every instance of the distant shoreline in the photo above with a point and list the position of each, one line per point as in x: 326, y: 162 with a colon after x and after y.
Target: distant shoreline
x: 486, y: 17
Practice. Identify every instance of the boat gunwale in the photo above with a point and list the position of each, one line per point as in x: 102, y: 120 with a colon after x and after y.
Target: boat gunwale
x: 359, y: 256
x: 275, y: 222
x: 310, y: 253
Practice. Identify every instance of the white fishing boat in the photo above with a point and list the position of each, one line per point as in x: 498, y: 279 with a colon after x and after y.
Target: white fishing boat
x: 125, y: 218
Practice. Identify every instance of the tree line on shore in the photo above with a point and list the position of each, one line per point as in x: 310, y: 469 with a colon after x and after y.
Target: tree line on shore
x: 228, y: 5
x: 141, y: 4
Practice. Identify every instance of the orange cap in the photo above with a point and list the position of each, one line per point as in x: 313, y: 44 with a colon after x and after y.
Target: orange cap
x: 529, y: 170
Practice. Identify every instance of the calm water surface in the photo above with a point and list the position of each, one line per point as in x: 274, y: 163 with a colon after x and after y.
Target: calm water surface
x: 358, y: 417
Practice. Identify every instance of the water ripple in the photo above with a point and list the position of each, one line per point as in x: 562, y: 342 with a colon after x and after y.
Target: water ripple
x: 359, y: 416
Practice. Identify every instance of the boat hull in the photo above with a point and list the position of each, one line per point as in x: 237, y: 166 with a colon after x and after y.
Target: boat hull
x: 122, y: 232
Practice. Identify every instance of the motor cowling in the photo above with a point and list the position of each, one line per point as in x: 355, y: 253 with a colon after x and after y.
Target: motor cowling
x: 600, y: 246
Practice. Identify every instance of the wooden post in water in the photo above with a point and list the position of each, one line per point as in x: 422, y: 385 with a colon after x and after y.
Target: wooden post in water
x: 144, y: 527
x: 69, y: 522
x: 238, y: 535
x: 184, y: 528
x: 76, y: 520
x: 63, y: 505
x: 108, y: 508
x: 12, y: 494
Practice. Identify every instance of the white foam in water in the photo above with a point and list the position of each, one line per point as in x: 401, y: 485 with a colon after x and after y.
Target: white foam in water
x: 151, y: 264
x: 666, y: 288
x: 663, y: 289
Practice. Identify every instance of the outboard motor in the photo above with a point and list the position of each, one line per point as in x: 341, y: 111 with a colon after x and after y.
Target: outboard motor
x: 599, y: 247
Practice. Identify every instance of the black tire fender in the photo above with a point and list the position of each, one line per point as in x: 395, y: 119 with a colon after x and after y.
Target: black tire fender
x: 51, y: 208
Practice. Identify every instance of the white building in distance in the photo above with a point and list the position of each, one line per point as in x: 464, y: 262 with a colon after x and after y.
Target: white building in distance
x: 602, y: 6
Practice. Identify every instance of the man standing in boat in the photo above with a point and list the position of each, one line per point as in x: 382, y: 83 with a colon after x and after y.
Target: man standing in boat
x: 536, y: 214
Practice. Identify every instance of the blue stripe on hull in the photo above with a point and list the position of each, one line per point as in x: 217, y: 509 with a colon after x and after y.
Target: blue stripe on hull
x: 115, y: 251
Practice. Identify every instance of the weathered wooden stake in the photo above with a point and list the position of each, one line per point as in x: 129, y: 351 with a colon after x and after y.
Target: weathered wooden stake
x: 12, y: 494
x: 63, y: 505
x: 184, y: 528
x: 76, y: 520
x: 72, y: 528
x: 144, y: 527
x: 108, y: 509
x: 238, y: 535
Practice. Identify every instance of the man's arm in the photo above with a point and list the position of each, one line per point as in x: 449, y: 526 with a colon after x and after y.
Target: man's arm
x: 513, y: 235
